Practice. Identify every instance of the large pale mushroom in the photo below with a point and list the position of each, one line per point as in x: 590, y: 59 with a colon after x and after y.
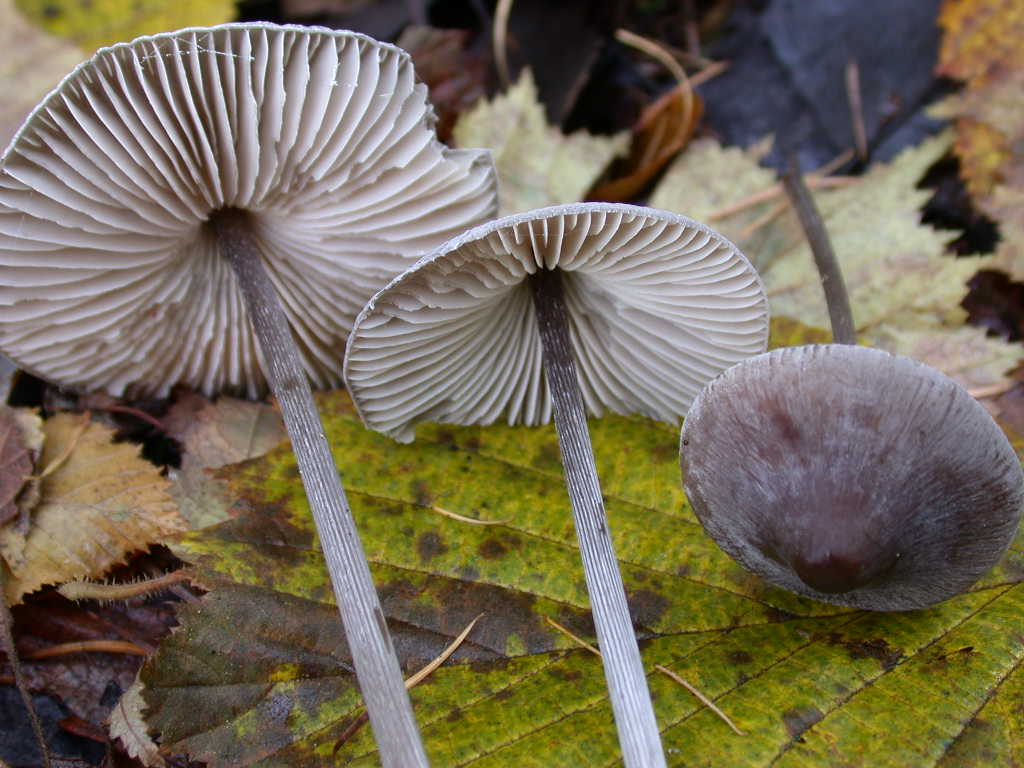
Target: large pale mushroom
x: 572, y: 309
x: 211, y: 208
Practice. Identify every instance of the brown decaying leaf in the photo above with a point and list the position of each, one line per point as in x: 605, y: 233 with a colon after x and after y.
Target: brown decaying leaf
x: 20, y: 441
x: 213, y: 434
x: 456, y: 76
x: 981, y: 46
x: 82, y: 680
x: 225, y: 431
x: 663, y: 129
x: 101, y: 504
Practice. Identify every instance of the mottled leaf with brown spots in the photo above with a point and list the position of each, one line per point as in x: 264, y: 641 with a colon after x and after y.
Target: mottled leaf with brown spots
x: 258, y: 673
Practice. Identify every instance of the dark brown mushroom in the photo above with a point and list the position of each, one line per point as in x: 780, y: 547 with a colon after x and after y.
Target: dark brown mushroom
x: 851, y: 475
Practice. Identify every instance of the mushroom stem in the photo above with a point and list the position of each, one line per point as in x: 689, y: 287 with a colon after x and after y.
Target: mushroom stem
x: 627, y: 682
x: 377, y: 667
x: 836, y: 297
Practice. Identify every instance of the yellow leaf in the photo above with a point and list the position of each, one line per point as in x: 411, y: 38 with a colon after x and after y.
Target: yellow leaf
x: 32, y: 64
x: 101, y: 504
x: 97, y: 23
x: 981, y: 45
x: 537, y: 164
x: 904, y: 289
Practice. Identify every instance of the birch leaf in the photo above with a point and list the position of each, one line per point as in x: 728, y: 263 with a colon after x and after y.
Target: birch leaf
x: 537, y: 164
x: 904, y: 289
x: 102, y: 503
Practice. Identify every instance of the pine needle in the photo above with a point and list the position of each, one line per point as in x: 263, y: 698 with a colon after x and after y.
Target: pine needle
x: 570, y: 635
x: 471, y: 520
x: 443, y: 657
x: 701, y: 698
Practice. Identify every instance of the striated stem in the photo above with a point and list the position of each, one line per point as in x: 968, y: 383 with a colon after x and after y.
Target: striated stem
x: 836, y: 297
x: 377, y: 668
x: 627, y: 682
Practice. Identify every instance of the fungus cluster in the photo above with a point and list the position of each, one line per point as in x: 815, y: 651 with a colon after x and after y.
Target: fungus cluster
x: 212, y: 207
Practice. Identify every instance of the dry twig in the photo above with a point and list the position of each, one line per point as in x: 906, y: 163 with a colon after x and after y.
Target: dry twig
x: 471, y: 520
x: 700, y: 697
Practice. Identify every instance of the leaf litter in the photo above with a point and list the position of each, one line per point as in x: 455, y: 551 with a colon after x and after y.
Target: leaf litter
x: 257, y: 674
x: 802, y: 677
x: 904, y: 288
x: 115, y: 502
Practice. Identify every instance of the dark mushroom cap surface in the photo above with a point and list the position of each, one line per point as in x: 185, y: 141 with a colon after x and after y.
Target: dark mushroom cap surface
x: 850, y: 475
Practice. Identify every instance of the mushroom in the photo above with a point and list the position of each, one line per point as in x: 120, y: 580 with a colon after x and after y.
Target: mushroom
x: 848, y: 474
x: 211, y: 207
x: 851, y: 475
x: 621, y: 308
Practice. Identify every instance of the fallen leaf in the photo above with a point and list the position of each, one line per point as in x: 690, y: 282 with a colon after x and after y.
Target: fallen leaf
x: 100, y: 505
x: 537, y: 165
x: 21, y: 438
x: 787, y: 62
x: 455, y: 74
x: 258, y: 673
x: 213, y: 434
x: 97, y: 23
x: 981, y: 46
x: 127, y: 724
x: 663, y: 129
x: 32, y: 64
x: 904, y: 289
x: 85, y: 682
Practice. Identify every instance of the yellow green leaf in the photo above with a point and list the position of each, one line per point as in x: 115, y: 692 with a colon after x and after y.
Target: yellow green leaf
x: 32, y: 64
x: 258, y: 673
x: 537, y: 165
x: 93, y: 24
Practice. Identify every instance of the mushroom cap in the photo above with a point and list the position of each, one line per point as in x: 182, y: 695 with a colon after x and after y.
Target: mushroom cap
x: 657, y: 305
x: 109, y: 278
x: 851, y: 475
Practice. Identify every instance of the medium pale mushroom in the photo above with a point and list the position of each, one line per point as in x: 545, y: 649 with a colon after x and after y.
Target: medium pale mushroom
x: 211, y: 208
x: 571, y: 309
